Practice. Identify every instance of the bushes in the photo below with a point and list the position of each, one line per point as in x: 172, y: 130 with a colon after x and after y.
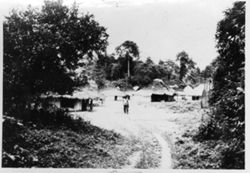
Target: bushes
x: 44, y: 116
x: 208, y: 130
x: 52, y: 138
x: 14, y: 155
x: 122, y: 84
x: 28, y: 145
x: 234, y: 155
x: 228, y: 93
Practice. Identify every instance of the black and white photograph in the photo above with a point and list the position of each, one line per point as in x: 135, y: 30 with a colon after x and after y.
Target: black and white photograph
x: 123, y: 85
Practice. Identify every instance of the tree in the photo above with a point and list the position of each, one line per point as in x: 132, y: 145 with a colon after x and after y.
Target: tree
x: 106, y: 62
x: 42, y: 49
x: 229, y: 89
x: 102, y: 69
x: 171, y: 70
x: 128, y: 50
x: 143, y: 74
x: 207, y: 72
x: 116, y: 71
x: 149, y: 61
x: 161, y: 62
x: 99, y: 76
x: 186, y: 64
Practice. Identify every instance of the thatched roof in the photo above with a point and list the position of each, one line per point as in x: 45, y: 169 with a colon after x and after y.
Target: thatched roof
x: 188, y: 90
x: 160, y: 84
x: 112, y: 92
x: 83, y: 93
x: 197, y: 91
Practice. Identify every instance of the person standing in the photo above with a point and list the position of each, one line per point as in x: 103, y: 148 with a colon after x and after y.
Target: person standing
x: 90, y: 104
x: 125, y: 105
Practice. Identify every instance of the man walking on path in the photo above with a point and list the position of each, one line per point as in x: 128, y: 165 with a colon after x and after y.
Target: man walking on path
x: 125, y: 105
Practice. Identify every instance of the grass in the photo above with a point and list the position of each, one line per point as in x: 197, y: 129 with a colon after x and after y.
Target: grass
x: 188, y: 153
x: 150, y: 153
x: 29, y: 145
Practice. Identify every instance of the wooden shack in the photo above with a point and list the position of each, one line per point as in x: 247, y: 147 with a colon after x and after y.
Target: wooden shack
x: 162, y: 97
x: 78, y: 101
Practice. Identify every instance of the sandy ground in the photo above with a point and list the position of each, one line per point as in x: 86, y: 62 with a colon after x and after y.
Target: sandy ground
x: 144, y: 118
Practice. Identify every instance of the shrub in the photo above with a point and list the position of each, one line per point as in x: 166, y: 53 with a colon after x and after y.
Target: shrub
x: 228, y: 119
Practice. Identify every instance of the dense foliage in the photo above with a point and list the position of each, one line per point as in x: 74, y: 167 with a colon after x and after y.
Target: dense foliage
x: 142, y: 73
x: 59, y: 141
x: 186, y: 64
x: 227, y: 122
x: 42, y: 50
x: 127, y: 51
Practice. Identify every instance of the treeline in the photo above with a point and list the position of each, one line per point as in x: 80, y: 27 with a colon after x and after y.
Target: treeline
x: 57, y: 49
x: 226, y: 124
x: 124, y: 69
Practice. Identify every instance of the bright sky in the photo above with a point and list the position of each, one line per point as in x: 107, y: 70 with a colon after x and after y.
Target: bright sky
x: 161, y: 28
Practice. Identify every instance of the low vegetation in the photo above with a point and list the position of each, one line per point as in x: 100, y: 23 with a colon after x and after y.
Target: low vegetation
x: 226, y: 124
x: 187, y: 151
x: 219, y: 142
x: 68, y: 143
x: 191, y: 154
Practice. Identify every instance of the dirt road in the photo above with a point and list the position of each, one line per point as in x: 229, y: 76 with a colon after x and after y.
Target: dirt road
x: 144, y: 119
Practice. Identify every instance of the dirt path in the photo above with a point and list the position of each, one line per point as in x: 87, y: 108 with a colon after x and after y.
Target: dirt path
x: 142, y: 119
x: 165, y: 154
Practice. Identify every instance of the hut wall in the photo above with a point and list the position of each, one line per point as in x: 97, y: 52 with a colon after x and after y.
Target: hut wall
x: 156, y: 98
x: 161, y: 97
x: 196, y: 97
x: 204, y: 100
x: 55, y: 102
x: 78, y: 105
x: 68, y: 103
x: 84, y: 104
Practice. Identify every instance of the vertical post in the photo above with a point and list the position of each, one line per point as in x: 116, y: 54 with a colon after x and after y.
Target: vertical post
x: 128, y: 64
x: 128, y: 67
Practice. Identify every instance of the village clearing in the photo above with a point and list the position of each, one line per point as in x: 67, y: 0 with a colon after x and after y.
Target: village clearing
x: 158, y: 129
x: 154, y: 135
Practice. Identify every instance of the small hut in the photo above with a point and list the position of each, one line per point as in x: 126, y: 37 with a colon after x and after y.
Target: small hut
x: 161, y: 92
x: 162, y: 95
x: 79, y: 101
x: 206, y: 93
x: 188, y: 91
x: 197, y: 92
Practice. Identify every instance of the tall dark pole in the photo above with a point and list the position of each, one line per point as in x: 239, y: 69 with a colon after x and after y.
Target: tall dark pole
x: 128, y: 67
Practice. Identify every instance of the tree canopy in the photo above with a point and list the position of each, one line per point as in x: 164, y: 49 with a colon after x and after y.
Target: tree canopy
x: 186, y: 64
x: 43, y: 48
x: 128, y: 48
x: 127, y: 52
x: 228, y: 120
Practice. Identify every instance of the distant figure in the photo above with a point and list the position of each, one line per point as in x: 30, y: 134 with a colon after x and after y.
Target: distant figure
x: 90, y: 104
x: 125, y: 105
x: 101, y: 100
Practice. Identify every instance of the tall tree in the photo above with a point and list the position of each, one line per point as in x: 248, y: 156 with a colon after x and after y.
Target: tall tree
x: 128, y: 50
x: 186, y: 64
x: 229, y: 88
x: 228, y: 94
x: 42, y: 49
x: 172, y: 70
